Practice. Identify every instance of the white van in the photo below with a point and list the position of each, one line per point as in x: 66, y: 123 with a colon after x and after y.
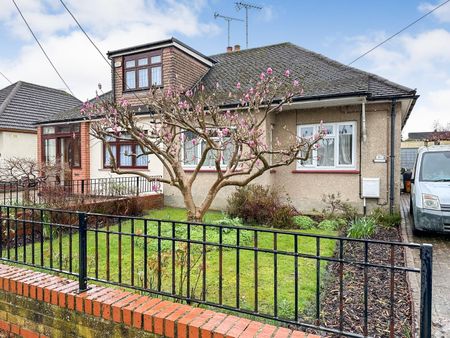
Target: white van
x: 430, y: 190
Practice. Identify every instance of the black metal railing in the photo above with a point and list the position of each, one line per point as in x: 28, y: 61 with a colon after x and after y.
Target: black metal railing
x: 272, y: 274
x: 41, y: 192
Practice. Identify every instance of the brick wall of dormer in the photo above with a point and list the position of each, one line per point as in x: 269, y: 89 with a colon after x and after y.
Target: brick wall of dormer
x: 178, y: 69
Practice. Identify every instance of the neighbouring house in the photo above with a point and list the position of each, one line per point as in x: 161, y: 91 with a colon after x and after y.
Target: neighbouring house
x: 362, y: 112
x: 21, y: 105
x: 411, y: 145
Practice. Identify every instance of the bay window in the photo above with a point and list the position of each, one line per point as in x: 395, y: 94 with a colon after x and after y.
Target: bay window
x: 142, y: 71
x: 193, y: 148
x: 127, y: 153
x: 336, y: 150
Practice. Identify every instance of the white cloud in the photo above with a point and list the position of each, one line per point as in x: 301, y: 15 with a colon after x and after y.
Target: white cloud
x: 419, y: 61
x: 111, y: 24
x: 442, y: 13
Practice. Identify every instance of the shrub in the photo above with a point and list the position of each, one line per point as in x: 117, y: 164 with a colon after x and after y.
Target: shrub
x: 336, y: 206
x: 363, y: 227
x: 332, y: 224
x: 255, y: 203
x: 384, y: 218
x: 303, y: 222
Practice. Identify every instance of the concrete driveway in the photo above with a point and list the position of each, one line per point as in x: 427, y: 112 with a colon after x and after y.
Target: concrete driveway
x: 441, y: 271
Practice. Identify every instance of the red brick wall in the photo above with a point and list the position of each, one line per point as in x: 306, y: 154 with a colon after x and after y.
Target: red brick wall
x: 39, y: 146
x: 84, y: 173
x: 50, y: 305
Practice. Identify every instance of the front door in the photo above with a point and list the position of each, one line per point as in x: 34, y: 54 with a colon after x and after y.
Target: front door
x: 63, y: 150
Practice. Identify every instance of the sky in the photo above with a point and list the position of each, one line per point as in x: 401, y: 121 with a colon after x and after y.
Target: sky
x: 342, y: 30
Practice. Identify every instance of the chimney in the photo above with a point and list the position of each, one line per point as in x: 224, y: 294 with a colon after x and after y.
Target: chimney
x: 229, y: 49
x: 237, y: 48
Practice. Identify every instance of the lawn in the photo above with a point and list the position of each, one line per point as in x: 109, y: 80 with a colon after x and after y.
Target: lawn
x: 204, y: 260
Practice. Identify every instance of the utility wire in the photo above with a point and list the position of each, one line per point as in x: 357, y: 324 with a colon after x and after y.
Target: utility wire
x: 5, y: 77
x: 399, y: 32
x: 42, y: 48
x: 98, y: 49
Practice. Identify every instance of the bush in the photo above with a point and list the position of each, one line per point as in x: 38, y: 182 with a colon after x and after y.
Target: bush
x: 384, y: 218
x: 332, y: 224
x: 363, y: 227
x: 304, y: 222
x: 336, y: 206
x: 255, y: 203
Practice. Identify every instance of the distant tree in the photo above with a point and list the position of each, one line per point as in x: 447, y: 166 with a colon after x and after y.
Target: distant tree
x: 192, y: 126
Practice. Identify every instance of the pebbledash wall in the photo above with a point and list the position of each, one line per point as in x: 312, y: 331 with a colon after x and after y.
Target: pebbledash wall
x: 306, y: 189
x: 39, y: 305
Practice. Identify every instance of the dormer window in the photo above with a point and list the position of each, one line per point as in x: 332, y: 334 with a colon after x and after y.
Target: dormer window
x: 142, y: 71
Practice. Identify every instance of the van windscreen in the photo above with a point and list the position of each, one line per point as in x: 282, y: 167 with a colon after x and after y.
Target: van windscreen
x: 435, y: 166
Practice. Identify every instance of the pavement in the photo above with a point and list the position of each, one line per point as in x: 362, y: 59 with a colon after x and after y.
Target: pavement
x: 441, y: 271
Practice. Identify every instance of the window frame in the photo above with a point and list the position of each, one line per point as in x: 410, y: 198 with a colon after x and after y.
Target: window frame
x: 70, y: 131
x: 136, y: 68
x: 199, y: 152
x: 340, y: 167
x: 122, y: 142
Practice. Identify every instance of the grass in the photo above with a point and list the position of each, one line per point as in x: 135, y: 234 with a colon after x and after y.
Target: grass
x: 131, y: 266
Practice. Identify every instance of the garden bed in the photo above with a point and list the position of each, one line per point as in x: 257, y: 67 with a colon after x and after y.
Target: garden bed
x: 381, y: 315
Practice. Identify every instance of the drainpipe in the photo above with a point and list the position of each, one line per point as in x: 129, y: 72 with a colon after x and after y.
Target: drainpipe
x: 363, y: 121
x: 392, y: 157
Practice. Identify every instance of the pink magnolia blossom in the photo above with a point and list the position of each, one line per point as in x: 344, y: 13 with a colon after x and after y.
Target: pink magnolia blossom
x: 262, y: 76
x: 269, y: 71
x: 287, y: 73
x: 238, y: 85
x: 296, y: 83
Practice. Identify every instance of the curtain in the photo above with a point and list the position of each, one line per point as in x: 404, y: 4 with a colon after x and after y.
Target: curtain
x: 345, y: 144
x: 126, y: 159
x: 141, y: 161
x: 325, y: 153
x: 189, y: 149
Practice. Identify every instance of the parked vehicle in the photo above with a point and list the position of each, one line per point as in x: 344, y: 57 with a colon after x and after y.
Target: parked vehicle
x: 430, y: 190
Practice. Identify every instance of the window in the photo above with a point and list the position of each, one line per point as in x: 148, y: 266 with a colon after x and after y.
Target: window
x: 193, y: 148
x: 142, y: 71
x: 335, y: 151
x: 127, y: 152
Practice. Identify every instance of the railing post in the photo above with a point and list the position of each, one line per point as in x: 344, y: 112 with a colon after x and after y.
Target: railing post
x: 82, y: 252
x: 426, y: 274
x: 137, y: 185
x: 82, y: 186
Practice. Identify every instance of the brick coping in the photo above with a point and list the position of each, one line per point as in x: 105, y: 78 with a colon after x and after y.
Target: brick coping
x: 153, y: 315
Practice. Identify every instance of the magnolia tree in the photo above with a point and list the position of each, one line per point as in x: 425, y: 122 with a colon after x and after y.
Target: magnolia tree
x: 192, y: 129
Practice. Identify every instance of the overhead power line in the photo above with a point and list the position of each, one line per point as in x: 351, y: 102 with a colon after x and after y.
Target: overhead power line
x: 399, y: 32
x: 42, y: 48
x: 98, y: 49
x: 5, y: 77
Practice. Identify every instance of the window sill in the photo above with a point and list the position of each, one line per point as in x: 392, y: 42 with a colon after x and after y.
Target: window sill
x: 138, y: 90
x: 325, y: 171
x: 125, y: 168
x: 191, y: 170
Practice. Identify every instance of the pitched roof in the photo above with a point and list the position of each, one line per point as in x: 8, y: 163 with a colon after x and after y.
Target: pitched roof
x: 22, y: 104
x: 319, y: 75
x: 73, y: 113
x: 429, y: 135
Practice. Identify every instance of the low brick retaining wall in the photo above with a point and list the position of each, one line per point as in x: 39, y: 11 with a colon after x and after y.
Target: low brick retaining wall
x: 37, y: 304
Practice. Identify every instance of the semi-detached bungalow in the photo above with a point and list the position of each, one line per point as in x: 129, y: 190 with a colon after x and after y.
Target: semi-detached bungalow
x: 21, y: 105
x: 362, y: 112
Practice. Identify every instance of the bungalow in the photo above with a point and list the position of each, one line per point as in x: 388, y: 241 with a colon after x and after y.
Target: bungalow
x: 363, y: 115
x: 21, y: 105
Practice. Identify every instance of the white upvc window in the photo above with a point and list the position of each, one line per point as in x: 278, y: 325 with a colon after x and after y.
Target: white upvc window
x: 337, y: 149
x: 193, y: 147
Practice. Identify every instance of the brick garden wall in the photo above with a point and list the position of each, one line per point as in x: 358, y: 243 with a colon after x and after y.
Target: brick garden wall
x: 40, y: 305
